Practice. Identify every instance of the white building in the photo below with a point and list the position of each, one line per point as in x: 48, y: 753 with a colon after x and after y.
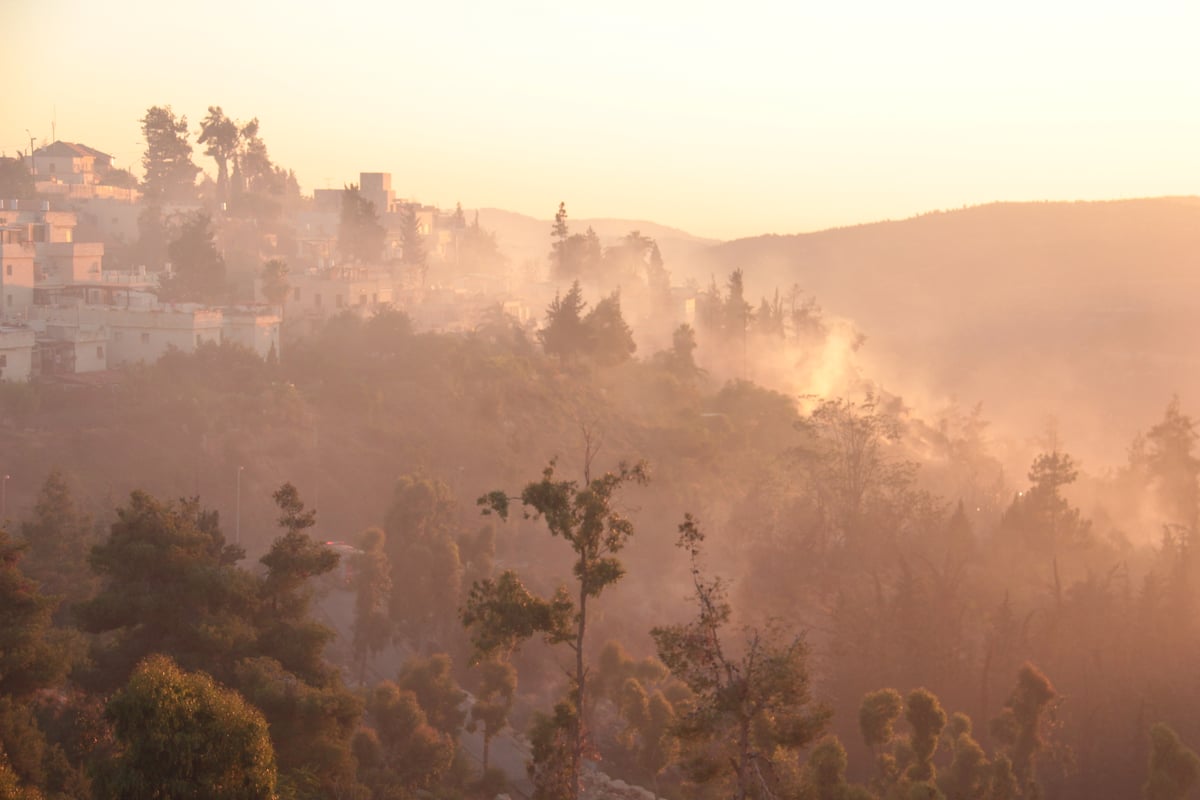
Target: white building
x: 141, y: 334
x: 62, y: 264
x: 16, y: 353
x: 255, y: 328
x: 144, y: 332
x: 322, y: 293
x: 74, y: 171
x: 40, y: 261
x: 65, y: 348
x: 17, y: 259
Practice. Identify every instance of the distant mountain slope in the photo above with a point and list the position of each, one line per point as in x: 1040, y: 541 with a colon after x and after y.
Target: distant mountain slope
x: 1086, y: 311
x: 526, y: 238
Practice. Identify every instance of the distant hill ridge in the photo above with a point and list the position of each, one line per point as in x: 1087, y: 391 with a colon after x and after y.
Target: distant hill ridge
x: 1087, y: 311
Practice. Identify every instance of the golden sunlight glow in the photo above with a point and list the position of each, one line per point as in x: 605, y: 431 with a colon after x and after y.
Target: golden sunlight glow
x: 723, y: 120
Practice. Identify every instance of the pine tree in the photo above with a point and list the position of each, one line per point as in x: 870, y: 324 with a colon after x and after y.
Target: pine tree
x: 609, y: 338
x: 559, y: 267
x: 170, y: 173
x: 59, y: 538
x: 565, y: 335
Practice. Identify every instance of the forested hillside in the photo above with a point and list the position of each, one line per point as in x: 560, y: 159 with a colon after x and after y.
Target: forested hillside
x: 847, y: 566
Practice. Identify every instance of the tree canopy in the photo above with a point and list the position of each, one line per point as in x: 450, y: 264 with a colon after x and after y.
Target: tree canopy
x: 180, y: 735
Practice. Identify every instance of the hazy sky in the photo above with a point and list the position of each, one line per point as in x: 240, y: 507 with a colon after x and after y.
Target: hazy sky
x: 726, y: 119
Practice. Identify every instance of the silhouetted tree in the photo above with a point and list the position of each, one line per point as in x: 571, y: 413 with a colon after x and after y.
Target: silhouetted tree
x: 824, y: 774
x: 360, y: 234
x: 407, y: 753
x: 288, y: 634
x: 170, y: 173
x: 32, y: 654
x: 198, y: 268
x: 425, y: 563
x: 438, y: 693
x: 877, y: 713
x: 493, y: 700
x: 275, y: 282
x: 222, y: 137
x: 750, y: 702
x: 372, y: 594
x: 558, y: 241
x: 609, y: 338
x: 680, y: 360
x: 1041, y: 517
x: 862, y: 491
x: 1172, y: 466
x: 1174, y: 768
x: 970, y: 773
x: 926, y: 719
x: 16, y: 181
x: 1020, y: 726
x: 412, y: 240
x: 168, y: 585
x: 564, y: 335
x: 500, y: 614
x: 59, y: 538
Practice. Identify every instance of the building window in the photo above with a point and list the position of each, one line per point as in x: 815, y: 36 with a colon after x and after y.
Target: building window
x: 296, y: 294
x: 317, y: 300
x: 8, y: 271
x: 199, y: 340
x: 99, y: 351
x: 374, y: 298
x: 145, y: 338
x: 3, y: 361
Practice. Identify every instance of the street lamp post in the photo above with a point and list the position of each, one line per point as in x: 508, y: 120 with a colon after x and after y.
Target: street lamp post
x: 238, y: 513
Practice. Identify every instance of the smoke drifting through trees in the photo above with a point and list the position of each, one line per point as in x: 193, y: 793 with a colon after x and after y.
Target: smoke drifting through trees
x: 903, y: 611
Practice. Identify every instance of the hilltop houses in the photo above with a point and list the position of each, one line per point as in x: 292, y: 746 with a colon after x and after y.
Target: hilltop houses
x: 65, y: 309
x: 62, y: 313
x: 75, y: 171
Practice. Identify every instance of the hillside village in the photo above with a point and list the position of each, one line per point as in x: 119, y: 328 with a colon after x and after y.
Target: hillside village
x: 88, y: 284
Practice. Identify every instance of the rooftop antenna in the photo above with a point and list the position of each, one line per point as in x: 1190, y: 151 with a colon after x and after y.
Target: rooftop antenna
x: 54, y: 124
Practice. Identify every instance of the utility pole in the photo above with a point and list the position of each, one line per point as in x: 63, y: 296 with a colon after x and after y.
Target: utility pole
x: 32, y: 163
